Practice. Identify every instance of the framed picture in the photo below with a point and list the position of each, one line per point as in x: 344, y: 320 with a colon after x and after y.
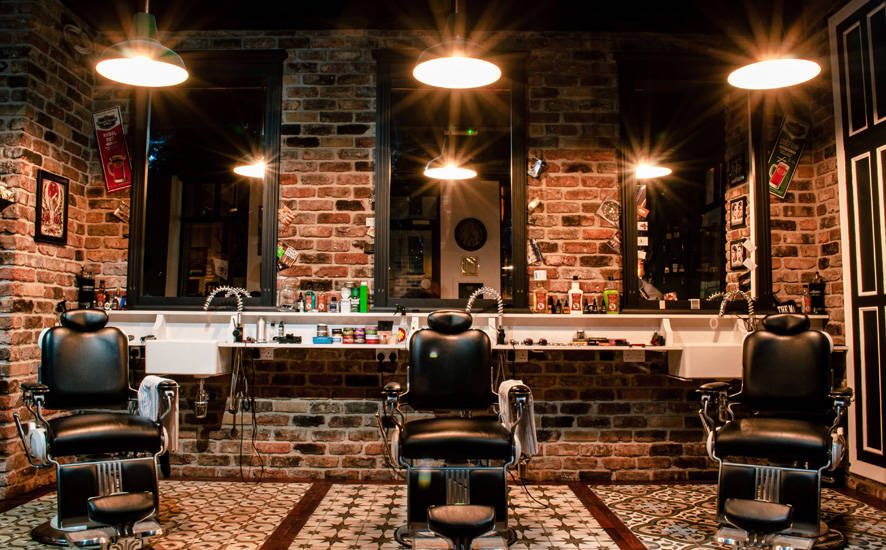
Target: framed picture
x: 51, y: 224
x: 737, y: 256
x: 738, y: 209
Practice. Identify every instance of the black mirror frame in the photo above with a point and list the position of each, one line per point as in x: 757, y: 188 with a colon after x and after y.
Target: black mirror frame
x: 514, y: 67
x: 763, y: 271
x: 266, y: 66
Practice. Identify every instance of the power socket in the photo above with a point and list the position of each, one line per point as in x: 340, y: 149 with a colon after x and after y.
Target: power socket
x: 521, y: 356
x: 266, y: 354
x: 388, y: 354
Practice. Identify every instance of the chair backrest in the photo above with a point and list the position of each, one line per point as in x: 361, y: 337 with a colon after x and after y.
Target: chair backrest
x: 449, y: 364
x: 85, y: 363
x: 786, y: 367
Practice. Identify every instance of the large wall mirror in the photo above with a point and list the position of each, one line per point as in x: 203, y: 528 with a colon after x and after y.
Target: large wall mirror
x: 439, y: 240
x: 678, y: 115
x: 197, y: 223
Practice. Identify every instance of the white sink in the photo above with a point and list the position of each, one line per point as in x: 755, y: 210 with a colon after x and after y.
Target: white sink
x: 189, y: 357
x: 711, y: 348
x: 698, y: 360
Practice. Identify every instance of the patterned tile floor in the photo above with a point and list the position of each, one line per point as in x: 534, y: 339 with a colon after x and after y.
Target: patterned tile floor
x: 203, y: 515
x: 681, y: 517
x: 195, y: 515
x: 365, y: 517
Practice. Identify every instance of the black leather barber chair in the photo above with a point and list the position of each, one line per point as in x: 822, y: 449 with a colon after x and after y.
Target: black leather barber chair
x: 105, y: 461
x: 461, y: 455
x: 775, y: 437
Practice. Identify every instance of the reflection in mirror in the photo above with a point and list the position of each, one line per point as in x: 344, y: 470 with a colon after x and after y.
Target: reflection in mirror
x: 672, y: 119
x: 203, y: 219
x: 200, y: 224
x: 450, y: 237
x: 447, y: 238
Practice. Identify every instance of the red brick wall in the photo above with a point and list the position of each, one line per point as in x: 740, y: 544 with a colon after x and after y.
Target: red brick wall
x: 597, y: 418
x: 46, y: 124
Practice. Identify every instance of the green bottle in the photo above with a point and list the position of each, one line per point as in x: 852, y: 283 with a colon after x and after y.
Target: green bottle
x: 364, y: 297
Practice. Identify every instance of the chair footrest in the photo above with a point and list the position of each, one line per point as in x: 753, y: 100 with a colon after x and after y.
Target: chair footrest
x: 757, y: 516
x: 106, y: 535
x: 461, y: 521
x: 121, y: 508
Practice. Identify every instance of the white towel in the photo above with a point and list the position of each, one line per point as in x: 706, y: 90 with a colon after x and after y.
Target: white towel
x: 149, y: 407
x: 527, y: 441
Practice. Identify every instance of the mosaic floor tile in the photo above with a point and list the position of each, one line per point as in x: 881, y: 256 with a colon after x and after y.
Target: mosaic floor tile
x: 682, y: 517
x: 366, y: 516
x: 196, y: 515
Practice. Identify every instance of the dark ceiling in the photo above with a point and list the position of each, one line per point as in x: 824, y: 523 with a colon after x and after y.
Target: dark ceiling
x: 674, y: 16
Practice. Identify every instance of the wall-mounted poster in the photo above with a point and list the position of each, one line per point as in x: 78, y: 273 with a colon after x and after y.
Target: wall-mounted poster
x: 52, y: 209
x: 738, y: 213
x: 112, y: 149
x: 786, y: 154
x: 737, y: 255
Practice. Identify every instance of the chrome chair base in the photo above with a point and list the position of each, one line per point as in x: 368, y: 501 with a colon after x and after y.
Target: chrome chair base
x: 830, y: 539
x: 405, y: 536
x: 103, y: 536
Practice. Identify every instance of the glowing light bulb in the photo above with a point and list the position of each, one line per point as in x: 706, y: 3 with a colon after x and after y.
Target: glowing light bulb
x: 646, y: 171
x: 774, y: 73
x: 450, y: 172
x: 255, y: 170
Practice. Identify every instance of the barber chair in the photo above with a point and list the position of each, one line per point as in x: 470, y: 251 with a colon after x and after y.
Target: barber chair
x: 775, y: 437
x: 105, y: 462
x: 461, y: 455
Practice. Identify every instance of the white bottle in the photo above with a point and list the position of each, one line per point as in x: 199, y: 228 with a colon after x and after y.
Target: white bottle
x: 575, y: 296
x: 344, y: 306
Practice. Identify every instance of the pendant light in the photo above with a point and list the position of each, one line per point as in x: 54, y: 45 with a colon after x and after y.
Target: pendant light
x: 774, y: 73
x: 455, y: 63
x: 142, y: 61
x: 254, y: 170
x: 647, y: 171
x: 444, y: 165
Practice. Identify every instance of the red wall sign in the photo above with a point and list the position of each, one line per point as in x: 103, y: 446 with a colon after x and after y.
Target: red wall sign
x: 112, y: 148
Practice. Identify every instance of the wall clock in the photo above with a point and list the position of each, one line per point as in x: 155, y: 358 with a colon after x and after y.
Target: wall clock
x: 470, y: 234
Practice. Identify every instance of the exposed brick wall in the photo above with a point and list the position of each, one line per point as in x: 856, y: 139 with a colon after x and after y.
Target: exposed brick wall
x: 598, y: 420
x: 46, y: 125
x: 806, y: 223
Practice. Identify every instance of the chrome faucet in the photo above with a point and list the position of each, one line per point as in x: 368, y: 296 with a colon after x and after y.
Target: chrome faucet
x: 499, y: 319
x: 751, y: 322
x: 229, y: 291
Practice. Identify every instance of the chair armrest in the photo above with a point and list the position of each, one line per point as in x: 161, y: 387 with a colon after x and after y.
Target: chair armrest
x: 714, y: 400
x: 35, y: 389
x: 392, y: 390
x: 843, y: 394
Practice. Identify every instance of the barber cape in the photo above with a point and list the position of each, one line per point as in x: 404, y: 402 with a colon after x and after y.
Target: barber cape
x: 527, y: 441
x: 149, y: 400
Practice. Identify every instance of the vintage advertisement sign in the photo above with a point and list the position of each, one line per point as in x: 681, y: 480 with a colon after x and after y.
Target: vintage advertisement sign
x: 112, y: 148
x: 786, y: 154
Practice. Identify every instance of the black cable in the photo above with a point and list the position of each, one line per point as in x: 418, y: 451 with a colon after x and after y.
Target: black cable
x: 250, y: 404
x: 526, y: 489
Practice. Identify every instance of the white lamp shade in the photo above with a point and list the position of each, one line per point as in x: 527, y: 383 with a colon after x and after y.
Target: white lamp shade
x: 451, y: 64
x: 774, y: 73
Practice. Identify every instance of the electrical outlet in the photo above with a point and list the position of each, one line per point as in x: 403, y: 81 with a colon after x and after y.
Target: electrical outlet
x: 266, y: 354
x: 386, y: 353
x: 521, y: 356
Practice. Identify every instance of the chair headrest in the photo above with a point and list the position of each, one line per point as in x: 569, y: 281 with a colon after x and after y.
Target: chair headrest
x: 84, y: 320
x: 786, y: 323
x: 450, y: 321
